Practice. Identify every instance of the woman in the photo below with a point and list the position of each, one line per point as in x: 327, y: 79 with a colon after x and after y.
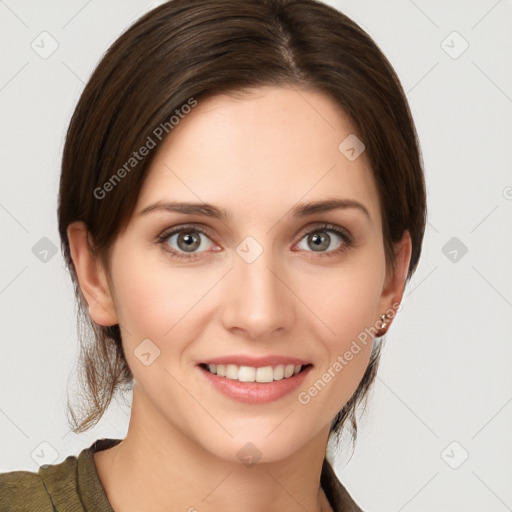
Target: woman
x: 241, y: 205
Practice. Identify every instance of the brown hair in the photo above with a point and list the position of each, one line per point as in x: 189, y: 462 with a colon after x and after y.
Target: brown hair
x: 187, y: 49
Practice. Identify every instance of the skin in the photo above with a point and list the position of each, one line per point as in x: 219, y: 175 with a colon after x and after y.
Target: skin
x: 255, y: 155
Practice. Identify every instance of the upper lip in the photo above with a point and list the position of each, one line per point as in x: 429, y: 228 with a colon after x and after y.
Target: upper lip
x: 256, y: 362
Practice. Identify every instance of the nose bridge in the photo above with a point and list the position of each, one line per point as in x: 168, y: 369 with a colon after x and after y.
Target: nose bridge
x: 259, y: 302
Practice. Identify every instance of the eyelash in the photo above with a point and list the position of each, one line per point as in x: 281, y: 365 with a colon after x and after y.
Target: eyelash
x: 164, y: 237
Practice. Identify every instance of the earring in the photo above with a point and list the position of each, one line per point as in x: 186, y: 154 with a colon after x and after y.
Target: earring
x: 384, y: 320
x: 385, y: 324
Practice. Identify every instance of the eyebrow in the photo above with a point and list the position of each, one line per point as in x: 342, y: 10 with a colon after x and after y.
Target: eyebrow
x: 209, y: 210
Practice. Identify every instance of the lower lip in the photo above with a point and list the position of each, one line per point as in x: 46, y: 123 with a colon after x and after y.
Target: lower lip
x: 256, y: 392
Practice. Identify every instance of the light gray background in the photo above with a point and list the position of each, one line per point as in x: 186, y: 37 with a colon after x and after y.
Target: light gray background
x: 445, y: 375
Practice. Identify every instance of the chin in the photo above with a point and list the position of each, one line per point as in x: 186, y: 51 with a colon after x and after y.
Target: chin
x: 257, y: 443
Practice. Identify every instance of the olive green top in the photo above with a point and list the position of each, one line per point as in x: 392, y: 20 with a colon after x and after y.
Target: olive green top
x: 74, y: 486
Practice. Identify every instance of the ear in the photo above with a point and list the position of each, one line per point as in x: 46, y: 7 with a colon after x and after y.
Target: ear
x: 91, y: 276
x: 394, y: 285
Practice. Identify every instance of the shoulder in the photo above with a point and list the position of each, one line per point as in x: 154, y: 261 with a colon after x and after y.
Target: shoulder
x: 28, y: 491
x: 60, y: 486
x: 22, y: 491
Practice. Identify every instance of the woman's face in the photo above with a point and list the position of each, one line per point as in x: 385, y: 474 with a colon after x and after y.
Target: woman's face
x: 276, y: 282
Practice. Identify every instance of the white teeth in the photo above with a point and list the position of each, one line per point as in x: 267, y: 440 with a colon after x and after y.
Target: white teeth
x: 246, y: 374
x: 265, y: 374
x: 232, y: 371
x: 251, y: 374
x: 288, y: 370
x: 279, y: 372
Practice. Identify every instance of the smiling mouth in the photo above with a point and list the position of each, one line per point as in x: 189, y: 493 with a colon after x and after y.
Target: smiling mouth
x: 263, y: 374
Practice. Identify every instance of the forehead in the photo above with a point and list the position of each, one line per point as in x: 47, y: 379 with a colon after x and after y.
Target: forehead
x: 261, y: 151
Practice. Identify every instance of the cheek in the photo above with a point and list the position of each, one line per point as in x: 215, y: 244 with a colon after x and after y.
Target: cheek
x: 347, y: 305
x: 153, y: 297
x: 163, y: 304
x: 347, y: 301
x: 349, y: 350
x: 144, y: 304
x: 349, y: 312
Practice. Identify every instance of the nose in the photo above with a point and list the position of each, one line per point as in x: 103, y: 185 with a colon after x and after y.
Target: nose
x: 258, y: 302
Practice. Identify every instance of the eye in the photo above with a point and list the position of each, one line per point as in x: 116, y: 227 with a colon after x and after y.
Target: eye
x: 188, y: 241
x: 185, y: 241
x: 320, y: 240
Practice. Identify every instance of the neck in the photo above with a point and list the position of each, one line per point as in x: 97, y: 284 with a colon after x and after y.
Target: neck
x: 175, y: 473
